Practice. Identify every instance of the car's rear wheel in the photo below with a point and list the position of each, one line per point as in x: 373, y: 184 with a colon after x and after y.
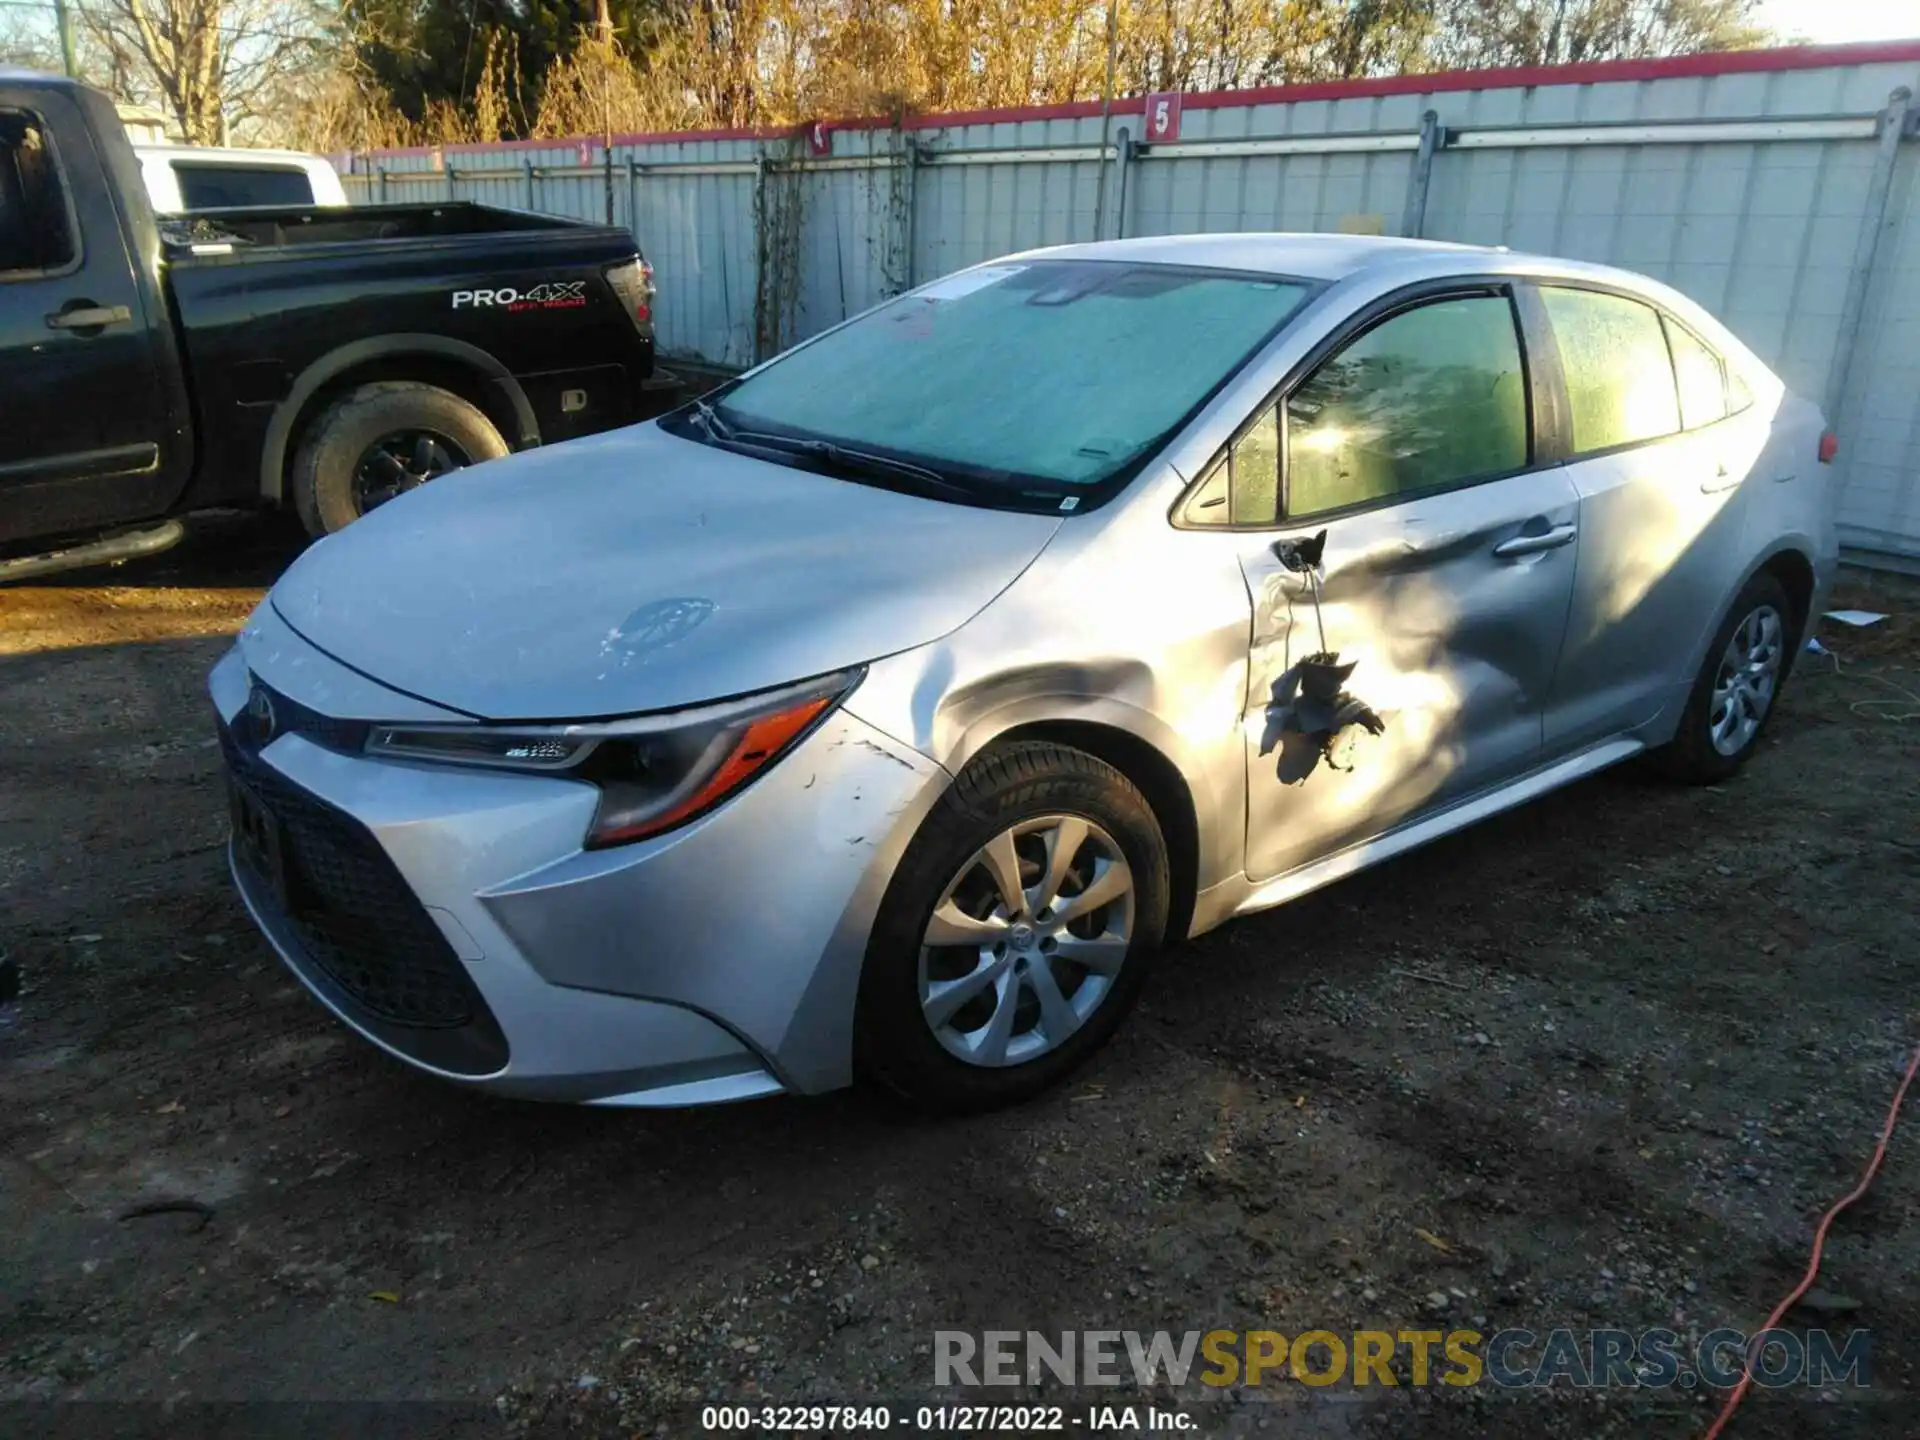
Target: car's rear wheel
x: 1738, y: 687
x: 378, y: 442
x: 1013, y: 938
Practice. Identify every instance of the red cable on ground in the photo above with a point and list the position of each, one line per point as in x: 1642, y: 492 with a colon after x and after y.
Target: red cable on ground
x: 1819, y: 1242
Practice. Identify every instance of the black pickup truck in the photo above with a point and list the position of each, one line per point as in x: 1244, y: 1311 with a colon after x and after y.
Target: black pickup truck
x: 320, y: 359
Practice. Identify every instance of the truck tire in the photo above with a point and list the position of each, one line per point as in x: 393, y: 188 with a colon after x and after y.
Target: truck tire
x: 378, y: 441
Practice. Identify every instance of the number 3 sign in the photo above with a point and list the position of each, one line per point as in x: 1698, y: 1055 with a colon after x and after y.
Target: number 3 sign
x: 1163, y: 118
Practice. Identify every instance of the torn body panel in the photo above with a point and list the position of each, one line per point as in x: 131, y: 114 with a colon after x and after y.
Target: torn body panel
x: 1451, y: 648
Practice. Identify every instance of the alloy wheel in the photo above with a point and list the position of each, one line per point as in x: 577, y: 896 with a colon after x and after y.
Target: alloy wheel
x: 402, y: 461
x: 1749, y: 675
x: 1026, y: 941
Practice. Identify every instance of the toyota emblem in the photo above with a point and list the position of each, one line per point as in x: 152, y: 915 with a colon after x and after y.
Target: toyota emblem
x: 260, y: 713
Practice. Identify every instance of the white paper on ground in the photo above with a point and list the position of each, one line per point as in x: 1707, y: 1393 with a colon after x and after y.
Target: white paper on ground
x: 1856, y: 617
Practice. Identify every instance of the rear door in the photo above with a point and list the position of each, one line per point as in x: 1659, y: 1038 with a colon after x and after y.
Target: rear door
x: 1444, y: 579
x: 83, y: 415
x: 1662, y: 468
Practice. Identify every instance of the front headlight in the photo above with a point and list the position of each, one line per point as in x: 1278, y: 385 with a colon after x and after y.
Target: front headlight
x: 654, y: 771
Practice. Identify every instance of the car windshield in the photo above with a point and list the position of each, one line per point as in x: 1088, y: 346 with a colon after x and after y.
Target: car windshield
x: 1047, y: 376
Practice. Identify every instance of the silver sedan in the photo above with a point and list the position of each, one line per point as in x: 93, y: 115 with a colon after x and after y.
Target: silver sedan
x: 880, y: 714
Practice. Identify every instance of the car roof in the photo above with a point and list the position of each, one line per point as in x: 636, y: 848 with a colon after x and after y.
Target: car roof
x: 1385, y: 262
x: 1331, y: 257
x: 1307, y: 255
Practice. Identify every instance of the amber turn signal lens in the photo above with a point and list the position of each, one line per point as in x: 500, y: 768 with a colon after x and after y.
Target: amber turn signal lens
x: 759, y: 743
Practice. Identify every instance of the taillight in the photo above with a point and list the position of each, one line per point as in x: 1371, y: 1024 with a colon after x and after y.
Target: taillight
x: 632, y: 281
x: 1829, y: 447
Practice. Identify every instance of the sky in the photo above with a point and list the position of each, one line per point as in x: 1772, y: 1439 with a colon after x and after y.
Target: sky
x: 1832, y: 22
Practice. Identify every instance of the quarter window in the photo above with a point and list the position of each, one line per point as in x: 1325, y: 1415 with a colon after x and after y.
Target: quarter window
x: 1243, y: 486
x: 1434, y: 396
x: 1620, y: 381
x: 35, y: 235
x: 1701, y: 380
x: 1255, y: 460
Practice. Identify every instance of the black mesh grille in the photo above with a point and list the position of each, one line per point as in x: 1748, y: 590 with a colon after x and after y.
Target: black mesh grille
x: 353, y: 914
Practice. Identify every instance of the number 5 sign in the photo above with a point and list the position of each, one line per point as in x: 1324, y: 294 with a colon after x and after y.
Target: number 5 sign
x: 1163, y: 118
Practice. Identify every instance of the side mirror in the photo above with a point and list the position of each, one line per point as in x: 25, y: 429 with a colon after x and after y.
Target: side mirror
x: 1302, y: 554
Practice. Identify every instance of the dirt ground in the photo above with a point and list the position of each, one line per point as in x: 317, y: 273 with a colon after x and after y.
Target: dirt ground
x: 1600, y: 1062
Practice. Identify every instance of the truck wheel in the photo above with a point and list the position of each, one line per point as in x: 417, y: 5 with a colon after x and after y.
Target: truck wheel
x: 379, y: 441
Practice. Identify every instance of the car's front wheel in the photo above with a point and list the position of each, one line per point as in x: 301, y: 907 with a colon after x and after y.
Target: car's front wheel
x: 1014, y: 936
x: 1739, y: 683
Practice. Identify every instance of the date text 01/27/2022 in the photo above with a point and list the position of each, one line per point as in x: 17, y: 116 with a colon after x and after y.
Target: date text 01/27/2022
x: 945, y: 1419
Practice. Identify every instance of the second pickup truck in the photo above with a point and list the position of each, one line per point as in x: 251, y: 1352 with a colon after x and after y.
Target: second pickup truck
x: 319, y: 359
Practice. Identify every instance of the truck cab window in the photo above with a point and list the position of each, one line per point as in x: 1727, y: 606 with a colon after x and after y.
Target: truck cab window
x: 34, y: 230
x: 226, y: 187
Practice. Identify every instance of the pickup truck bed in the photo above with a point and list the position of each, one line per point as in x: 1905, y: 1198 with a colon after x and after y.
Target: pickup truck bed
x: 256, y: 230
x: 247, y: 357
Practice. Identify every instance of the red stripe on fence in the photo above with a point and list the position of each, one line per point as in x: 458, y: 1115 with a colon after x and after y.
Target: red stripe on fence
x: 1598, y: 72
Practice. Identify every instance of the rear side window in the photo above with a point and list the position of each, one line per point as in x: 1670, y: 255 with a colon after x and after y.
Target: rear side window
x: 1432, y: 397
x: 225, y: 187
x: 1619, y: 375
x: 36, y: 230
x: 1701, y: 379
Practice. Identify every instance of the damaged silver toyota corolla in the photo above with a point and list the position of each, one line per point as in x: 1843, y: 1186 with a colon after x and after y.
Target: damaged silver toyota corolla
x: 880, y: 714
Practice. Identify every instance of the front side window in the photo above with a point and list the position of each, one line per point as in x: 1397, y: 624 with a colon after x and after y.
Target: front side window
x: 1619, y: 375
x: 228, y: 187
x: 1432, y: 397
x: 1044, y: 378
x: 35, y: 233
x: 1702, y: 382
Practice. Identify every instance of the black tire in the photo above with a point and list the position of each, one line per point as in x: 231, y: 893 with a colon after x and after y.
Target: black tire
x: 895, y: 1047
x: 332, y: 448
x: 1691, y: 757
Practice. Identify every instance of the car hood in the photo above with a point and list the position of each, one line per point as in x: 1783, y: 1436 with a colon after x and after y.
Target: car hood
x: 636, y: 571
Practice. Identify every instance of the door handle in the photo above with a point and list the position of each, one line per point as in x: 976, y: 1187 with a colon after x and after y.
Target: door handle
x: 89, y: 317
x: 1721, y: 480
x: 1534, y: 544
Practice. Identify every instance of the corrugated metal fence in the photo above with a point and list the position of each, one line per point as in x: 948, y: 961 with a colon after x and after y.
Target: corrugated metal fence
x: 1772, y: 186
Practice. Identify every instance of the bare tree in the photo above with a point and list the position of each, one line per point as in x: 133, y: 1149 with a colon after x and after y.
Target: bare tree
x: 211, y: 63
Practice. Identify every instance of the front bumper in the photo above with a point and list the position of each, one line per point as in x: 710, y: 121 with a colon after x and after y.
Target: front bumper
x: 717, y: 962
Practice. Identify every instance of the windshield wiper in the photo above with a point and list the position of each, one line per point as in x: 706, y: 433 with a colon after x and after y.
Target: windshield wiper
x: 710, y: 421
x: 843, y: 457
x: 867, y: 460
x: 722, y: 432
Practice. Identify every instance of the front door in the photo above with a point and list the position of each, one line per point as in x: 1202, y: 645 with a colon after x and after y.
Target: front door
x: 83, y: 415
x: 1406, y: 664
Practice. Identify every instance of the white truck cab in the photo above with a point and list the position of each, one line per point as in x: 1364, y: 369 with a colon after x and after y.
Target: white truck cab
x: 182, y: 178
